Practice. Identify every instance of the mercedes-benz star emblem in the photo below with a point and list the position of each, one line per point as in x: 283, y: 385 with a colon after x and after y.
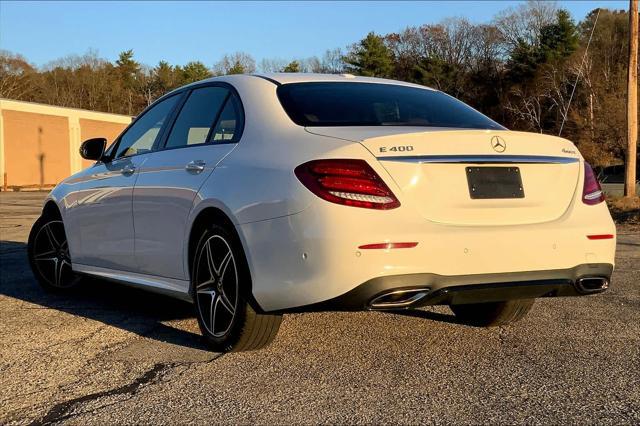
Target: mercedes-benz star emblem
x: 498, y: 144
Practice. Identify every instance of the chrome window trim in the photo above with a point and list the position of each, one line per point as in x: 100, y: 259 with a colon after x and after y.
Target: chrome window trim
x: 482, y: 159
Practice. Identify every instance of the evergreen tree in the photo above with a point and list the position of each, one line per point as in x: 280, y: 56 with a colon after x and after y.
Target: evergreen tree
x: 237, y: 68
x: 560, y: 39
x: 370, y: 57
x: 439, y: 74
x: 293, y: 66
x: 128, y: 70
x: 194, y: 71
x: 127, y: 67
x: 163, y: 77
x: 523, y: 62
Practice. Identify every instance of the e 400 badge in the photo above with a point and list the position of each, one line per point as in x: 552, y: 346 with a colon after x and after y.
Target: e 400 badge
x: 399, y: 148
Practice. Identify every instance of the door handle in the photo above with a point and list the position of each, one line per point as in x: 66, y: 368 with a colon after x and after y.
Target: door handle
x: 129, y: 169
x: 195, y: 166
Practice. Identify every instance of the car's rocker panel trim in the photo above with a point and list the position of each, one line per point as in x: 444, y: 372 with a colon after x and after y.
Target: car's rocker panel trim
x: 480, y: 159
x: 178, y: 289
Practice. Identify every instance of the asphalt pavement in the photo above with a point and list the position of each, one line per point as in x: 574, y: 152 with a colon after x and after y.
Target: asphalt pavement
x: 109, y: 354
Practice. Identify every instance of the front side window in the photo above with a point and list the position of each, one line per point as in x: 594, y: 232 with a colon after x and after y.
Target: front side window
x: 142, y: 135
x: 197, y: 116
x: 373, y: 104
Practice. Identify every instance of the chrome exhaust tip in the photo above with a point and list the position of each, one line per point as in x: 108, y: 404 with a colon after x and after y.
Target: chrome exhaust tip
x: 398, y: 299
x: 589, y: 285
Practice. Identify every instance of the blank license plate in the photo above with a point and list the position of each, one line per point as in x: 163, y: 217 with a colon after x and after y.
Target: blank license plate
x: 494, y: 182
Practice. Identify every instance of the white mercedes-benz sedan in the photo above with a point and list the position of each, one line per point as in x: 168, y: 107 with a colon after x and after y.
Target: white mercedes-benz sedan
x: 258, y: 195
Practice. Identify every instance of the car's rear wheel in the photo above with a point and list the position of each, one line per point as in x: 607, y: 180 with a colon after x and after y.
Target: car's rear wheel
x: 220, y: 286
x: 492, y: 314
x: 49, y: 256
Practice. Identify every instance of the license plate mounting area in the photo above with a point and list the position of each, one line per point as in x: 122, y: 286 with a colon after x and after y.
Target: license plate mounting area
x: 494, y: 182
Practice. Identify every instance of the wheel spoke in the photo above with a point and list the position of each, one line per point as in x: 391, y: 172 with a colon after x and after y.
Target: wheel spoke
x: 224, y: 300
x: 206, y: 286
x: 52, y: 239
x: 209, y: 256
x: 58, y: 272
x: 212, y: 314
x: 223, y: 264
x: 47, y: 259
x: 63, y: 263
x: 45, y: 256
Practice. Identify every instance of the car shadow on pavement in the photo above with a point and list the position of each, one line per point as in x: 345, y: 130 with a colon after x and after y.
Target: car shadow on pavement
x: 429, y: 315
x: 130, y: 309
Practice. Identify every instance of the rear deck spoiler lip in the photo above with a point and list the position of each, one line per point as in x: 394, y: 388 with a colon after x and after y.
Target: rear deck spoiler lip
x: 482, y: 159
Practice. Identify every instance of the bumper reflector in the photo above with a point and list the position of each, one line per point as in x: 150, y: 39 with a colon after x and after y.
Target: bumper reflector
x: 600, y: 237
x: 387, y: 246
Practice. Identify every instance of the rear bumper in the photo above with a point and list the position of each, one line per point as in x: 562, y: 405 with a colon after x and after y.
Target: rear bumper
x: 314, y: 256
x: 433, y: 289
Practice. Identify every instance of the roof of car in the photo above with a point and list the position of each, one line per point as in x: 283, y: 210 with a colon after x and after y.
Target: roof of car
x: 286, y: 77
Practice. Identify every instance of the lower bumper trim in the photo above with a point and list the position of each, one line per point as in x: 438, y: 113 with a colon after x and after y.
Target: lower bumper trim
x: 463, y: 289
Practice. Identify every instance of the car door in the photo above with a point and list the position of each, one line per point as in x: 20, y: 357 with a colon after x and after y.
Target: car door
x: 205, y: 130
x: 99, y: 214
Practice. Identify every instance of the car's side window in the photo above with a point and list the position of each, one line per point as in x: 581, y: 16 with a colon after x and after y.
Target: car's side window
x: 142, y: 135
x: 230, y: 122
x: 197, y: 116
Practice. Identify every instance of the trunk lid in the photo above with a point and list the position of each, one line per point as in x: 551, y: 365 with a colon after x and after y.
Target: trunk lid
x: 443, y: 173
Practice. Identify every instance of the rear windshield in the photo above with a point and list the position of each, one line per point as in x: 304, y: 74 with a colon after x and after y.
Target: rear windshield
x: 373, y: 104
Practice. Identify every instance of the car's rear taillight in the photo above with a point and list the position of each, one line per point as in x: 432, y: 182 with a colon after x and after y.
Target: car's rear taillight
x: 348, y: 182
x: 591, y: 191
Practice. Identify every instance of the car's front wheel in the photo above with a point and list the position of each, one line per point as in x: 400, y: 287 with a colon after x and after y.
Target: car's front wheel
x: 49, y: 254
x: 220, y: 286
x: 492, y: 314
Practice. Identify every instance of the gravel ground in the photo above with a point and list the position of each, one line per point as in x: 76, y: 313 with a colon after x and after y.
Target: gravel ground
x: 108, y: 354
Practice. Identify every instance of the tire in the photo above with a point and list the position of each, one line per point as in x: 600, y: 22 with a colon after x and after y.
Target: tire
x: 221, y: 290
x: 492, y: 314
x: 49, y: 257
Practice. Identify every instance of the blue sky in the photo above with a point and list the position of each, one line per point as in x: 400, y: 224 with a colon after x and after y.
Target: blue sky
x: 183, y: 31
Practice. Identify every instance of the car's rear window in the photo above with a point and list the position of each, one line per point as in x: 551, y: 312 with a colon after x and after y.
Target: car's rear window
x: 373, y: 104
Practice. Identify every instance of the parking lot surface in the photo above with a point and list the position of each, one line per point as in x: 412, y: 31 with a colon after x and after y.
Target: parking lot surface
x: 110, y: 354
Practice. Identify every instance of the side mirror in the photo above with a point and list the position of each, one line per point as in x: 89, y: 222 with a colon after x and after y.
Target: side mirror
x: 93, y: 149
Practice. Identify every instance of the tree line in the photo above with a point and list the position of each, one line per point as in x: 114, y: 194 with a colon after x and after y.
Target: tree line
x: 520, y: 69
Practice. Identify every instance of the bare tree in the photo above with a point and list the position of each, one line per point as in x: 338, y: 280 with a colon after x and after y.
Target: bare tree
x: 487, y: 46
x: 15, y: 74
x: 457, y: 41
x: 407, y: 49
x: 330, y: 63
x: 526, y: 21
x: 273, y: 64
x: 235, y: 63
x: 528, y: 107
